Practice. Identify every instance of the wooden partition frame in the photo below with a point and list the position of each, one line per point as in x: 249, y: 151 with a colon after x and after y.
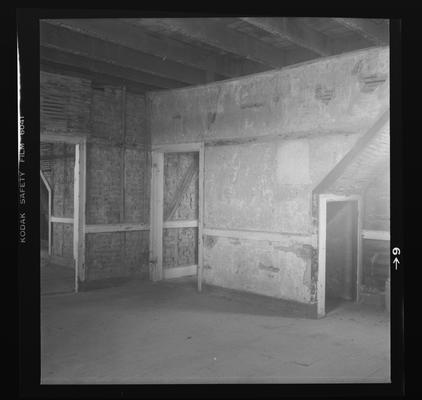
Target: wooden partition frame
x: 157, y: 201
x: 79, y: 200
x: 322, y: 237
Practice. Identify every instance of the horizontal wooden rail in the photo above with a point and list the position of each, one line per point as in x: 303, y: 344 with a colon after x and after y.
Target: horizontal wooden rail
x: 375, y: 235
x: 61, y: 220
x: 103, y: 228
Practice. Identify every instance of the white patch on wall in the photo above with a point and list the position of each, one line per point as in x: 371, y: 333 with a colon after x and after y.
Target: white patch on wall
x: 293, y: 162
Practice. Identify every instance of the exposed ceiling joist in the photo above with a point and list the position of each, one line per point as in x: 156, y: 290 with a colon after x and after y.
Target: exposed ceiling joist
x: 93, y: 48
x: 97, y: 78
x: 126, y: 33
x: 376, y: 33
x: 149, y: 82
x: 217, y: 35
x: 291, y: 30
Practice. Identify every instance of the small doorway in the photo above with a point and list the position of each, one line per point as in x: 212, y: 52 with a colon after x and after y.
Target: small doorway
x: 341, y: 266
x: 176, y: 212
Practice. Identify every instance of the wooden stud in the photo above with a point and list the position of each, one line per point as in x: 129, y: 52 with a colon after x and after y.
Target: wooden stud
x: 201, y: 216
x: 156, y: 232
x: 49, y: 210
x: 76, y: 204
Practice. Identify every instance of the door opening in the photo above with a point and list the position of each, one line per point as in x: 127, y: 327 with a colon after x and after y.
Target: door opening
x: 341, y: 266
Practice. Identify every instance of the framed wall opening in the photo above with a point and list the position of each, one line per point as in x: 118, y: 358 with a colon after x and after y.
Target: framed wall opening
x: 340, y: 251
x: 177, y: 212
x: 67, y: 272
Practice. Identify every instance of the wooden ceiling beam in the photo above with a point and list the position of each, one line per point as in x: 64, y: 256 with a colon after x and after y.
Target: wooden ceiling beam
x: 51, y: 54
x: 299, y: 34
x: 127, y: 33
x: 217, y: 35
x: 93, y: 48
x: 94, y: 77
x: 376, y: 33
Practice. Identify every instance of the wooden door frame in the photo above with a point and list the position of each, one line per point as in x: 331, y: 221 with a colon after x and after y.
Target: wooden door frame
x: 79, y: 200
x: 157, y: 202
x: 322, y: 238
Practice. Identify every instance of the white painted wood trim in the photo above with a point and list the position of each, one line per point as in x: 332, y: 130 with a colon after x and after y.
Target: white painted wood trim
x: 82, y: 210
x: 359, y: 272
x: 177, y: 148
x: 103, y: 228
x: 322, y: 233
x: 44, y: 179
x: 375, y: 235
x: 180, y: 224
x: 62, y: 220
x: 255, y: 235
x: 76, y: 205
x: 178, y: 272
x: 156, y: 216
x: 201, y: 200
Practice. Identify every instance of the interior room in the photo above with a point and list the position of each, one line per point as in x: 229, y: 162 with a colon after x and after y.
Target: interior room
x: 215, y: 200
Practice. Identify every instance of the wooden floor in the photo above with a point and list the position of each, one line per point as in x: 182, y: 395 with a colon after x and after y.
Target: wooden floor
x: 55, y: 278
x: 167, y: 332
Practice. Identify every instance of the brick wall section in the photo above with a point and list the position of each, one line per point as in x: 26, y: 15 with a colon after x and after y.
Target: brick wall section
x: 117, y: 155
x: 64, y: 104
x: 118, y: 179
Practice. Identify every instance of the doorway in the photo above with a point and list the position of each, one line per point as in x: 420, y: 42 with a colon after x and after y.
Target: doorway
x: 341, y: 253
x: 176, y: 212
x: 62, y: 173
x: 339, y: 250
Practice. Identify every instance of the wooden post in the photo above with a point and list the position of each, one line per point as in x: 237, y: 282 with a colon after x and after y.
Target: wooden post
x: 156, y: 234
x: 201, y: 216
x: 76, y: 195
x: 44, y: 179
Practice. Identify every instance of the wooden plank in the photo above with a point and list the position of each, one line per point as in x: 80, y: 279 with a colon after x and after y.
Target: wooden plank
x: 201, y: 216
x: 82, y: 209
x: 360, y: 144
x: 156, y: 218
x: 49, y: 210
x: 299, y: 34
x: 258, y: 235
x: 178, y: 272
x: 69, y: 41
x: 82, y: 62
x: 375, y: 235
x: 216, y: 34
x: 126, y: 33
x: 180, y: 191
x: 359, y: 272
x: 322, y: 237
x: 177, y: 148
x: 180, y: 224
x: 125, y: 227
x: 76, y: 210
x: 62, y: 220
x: 376, y: 33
